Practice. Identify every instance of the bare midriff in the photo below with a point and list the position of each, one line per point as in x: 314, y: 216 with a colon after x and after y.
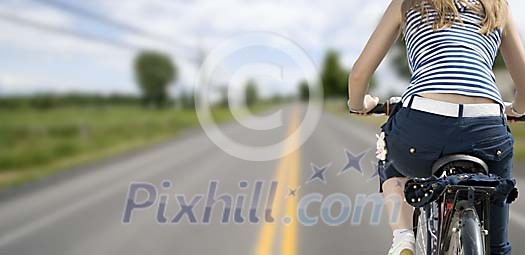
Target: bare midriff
x: 457, y: 99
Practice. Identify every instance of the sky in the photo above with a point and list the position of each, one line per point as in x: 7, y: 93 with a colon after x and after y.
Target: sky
x: 46, y: 46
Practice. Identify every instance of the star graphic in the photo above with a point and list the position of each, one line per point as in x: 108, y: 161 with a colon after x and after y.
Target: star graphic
x: 388, y: 163
x: 399, y: 184
x: 292, y: 192
x: 318, y: 173
x: 376, y: 171
x: 353, y: 161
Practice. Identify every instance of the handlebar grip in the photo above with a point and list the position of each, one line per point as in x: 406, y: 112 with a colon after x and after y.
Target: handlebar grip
x: 517, y: 119
x: 386, y: 107
x: 382, y: 108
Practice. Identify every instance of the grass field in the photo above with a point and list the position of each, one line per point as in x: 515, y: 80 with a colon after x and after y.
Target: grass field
x: 518, y: 130
x: 36, y: 143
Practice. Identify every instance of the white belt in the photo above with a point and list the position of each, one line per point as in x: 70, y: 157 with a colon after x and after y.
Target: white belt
x: 451, y: 109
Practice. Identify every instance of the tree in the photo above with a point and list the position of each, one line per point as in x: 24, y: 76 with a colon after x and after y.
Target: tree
x: 251, y: 93
x: 499, y: 63
x: 187, y: 99
x: 154, y: 72
x: 277, y: 98
x: 304, y: 91
x: 333, y: 76
x: 223, y: 92
x: 400, y: 62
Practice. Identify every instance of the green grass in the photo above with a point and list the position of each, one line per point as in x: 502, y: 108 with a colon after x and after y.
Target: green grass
x: 518, y: 130
x: 35, y: 144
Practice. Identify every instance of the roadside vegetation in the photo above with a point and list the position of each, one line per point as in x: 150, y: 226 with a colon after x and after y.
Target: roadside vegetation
x: 518, y: 130
x: 47, y: 133
x: 36, y: 143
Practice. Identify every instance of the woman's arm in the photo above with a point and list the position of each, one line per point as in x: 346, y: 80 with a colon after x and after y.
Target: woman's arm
x: 514, y: 56
x: 375, y: 50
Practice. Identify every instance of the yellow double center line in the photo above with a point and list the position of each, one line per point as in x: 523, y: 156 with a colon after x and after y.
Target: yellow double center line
x: 287, y: 174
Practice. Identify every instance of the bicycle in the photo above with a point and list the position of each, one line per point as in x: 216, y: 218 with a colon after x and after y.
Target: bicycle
x: 455, y: 220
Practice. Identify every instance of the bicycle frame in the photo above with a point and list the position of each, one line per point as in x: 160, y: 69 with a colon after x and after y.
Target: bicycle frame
x: 455, y: 199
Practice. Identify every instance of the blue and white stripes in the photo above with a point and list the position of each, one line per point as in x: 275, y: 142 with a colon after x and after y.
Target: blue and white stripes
x: 456, y: 60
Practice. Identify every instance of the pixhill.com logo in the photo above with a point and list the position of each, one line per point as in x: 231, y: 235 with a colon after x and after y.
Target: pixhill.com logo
x: 254, y: 202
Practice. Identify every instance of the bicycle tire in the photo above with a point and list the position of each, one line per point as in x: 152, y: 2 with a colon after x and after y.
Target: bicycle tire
x: 423, y: 242
x: 467, y: 238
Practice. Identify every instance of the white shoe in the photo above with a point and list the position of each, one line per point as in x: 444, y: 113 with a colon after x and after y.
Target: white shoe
x: 405, y: 247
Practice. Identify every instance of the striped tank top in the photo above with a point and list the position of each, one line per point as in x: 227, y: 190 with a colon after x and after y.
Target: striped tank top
x: 456, y: 60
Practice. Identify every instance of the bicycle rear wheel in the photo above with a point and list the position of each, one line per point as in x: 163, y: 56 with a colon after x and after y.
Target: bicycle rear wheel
x: 466, y: 235
x: 423, y: 240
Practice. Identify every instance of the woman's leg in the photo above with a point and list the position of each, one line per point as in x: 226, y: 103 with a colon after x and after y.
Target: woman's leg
x: 393, y: 193
x: 475, y: 133
x: 400, y: 216
x: 499, y: 216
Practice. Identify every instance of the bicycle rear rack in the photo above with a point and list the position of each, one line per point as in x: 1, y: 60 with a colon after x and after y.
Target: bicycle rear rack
x: 476, y: 197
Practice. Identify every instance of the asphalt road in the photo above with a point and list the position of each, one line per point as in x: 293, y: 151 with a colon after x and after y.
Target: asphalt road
x: 84, y: 214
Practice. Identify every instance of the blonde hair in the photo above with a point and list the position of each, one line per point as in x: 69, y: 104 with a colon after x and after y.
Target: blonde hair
x: 493, y: 12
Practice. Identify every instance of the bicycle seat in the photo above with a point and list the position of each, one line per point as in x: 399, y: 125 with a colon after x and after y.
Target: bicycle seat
x: 458, y: 164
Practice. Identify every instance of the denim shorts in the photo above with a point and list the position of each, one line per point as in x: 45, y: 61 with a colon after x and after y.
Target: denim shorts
x: 416, y: 139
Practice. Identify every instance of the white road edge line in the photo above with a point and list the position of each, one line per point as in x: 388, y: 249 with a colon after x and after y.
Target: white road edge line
x: 30, y: 227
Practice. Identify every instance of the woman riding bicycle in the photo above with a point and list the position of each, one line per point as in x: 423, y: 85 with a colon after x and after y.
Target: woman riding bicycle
x: 452, y: 104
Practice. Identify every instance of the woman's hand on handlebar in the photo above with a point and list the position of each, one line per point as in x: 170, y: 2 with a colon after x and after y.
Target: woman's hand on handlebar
x: 511, y: 115
x: 369, y: 103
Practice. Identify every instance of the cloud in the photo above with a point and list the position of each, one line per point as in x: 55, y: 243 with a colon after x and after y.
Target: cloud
x: 35, y: 13
x: 180, y: 28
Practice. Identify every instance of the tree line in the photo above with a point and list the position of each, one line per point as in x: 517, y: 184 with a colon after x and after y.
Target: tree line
x: 47, y: 100
x: 155, y: 72
x: 334, y: 78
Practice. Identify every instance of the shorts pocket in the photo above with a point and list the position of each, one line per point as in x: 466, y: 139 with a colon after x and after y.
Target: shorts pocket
x: 494, y: 149
x: 411, y: 157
